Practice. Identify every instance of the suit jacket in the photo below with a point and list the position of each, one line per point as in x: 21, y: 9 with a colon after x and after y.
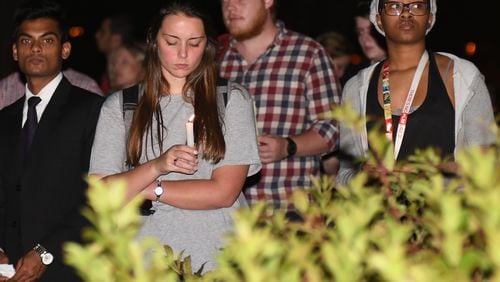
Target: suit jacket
x: 42, y: 193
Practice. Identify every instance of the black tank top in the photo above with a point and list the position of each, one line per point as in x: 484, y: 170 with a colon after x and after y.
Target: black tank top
x: 430, y: 125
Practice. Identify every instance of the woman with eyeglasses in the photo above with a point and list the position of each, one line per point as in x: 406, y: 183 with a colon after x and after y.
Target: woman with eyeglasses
x: 417, y: 97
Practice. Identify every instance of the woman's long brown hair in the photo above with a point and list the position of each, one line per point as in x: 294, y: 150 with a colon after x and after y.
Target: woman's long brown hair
x: 202, y: 82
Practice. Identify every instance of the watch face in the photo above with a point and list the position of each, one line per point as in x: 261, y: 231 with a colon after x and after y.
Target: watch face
x: 158, y: 191
x: 291, y: 147
x: 47, y: 258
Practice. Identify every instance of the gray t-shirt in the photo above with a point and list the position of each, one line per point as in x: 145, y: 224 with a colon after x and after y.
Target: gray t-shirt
x: 198, y: 232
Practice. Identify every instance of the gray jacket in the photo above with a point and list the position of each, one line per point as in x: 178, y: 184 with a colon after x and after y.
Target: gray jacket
x: 474, y: 117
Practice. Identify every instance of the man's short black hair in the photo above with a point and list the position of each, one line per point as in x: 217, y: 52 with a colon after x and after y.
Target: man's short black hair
x: 35, y: 9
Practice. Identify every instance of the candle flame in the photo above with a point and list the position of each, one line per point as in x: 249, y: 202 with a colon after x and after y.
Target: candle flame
x: 191, y: 119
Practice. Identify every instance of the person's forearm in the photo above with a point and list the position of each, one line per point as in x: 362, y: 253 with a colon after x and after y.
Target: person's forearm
x: 310, y: 143
x: 202, y: 194
x: 136, y: 179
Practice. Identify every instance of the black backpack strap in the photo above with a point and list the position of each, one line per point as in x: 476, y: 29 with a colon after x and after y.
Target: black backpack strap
x: 224, y: 86
x: 130, y: 98
x: 129, y: 104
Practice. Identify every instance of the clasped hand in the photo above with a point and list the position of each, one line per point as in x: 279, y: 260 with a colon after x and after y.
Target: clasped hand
x: 28, y: 268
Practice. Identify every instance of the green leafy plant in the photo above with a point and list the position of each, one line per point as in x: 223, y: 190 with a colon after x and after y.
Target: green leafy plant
x: 113, y: 253
x: 414, y: 222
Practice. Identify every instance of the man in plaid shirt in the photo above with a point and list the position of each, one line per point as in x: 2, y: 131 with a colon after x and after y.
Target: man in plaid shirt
x: 293, y: 85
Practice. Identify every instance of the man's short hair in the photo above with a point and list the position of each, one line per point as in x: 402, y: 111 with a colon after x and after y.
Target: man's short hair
x: 36, y: 9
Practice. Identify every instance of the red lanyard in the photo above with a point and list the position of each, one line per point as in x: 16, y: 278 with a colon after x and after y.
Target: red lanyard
x: 386, y: 95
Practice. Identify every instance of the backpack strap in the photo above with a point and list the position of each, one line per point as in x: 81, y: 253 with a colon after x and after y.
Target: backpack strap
x: 130, y: 99
x: 224, y: 86
x: 129, y: 104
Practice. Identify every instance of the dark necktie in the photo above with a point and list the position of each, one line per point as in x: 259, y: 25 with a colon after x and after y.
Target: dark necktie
x: 31, y: 123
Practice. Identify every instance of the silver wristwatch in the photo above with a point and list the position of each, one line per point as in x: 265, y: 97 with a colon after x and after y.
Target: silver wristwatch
x: 158, y: 190
x: 45, y: 256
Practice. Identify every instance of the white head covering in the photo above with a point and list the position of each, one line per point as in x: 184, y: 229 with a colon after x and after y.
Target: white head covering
x: 374, y: 13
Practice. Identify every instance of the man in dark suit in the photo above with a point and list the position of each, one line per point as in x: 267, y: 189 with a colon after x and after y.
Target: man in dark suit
x: 45, y: 145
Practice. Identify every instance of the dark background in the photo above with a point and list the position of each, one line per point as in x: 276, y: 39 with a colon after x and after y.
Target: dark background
x: 458, y: 22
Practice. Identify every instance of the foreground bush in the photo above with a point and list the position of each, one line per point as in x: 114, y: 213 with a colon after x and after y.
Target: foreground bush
x: 413, y: 222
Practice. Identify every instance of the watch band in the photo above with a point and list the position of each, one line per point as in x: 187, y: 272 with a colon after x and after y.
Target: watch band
x: 40, y: 249
x: 291, y: 147
x: 45, y: 256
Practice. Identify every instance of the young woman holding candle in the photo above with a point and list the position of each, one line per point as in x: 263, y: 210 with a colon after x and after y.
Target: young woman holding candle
x: 194, y: 188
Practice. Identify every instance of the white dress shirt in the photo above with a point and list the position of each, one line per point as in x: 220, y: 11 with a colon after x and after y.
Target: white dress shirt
x: 45, y: 94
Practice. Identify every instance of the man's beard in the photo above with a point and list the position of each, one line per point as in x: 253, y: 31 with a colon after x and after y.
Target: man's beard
x: 253, y: 29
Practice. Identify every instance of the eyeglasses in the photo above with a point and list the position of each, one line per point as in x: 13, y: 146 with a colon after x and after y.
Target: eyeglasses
x: 415, y: 8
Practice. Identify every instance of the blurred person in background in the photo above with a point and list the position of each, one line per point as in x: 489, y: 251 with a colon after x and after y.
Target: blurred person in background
x: 340, y: 50
x: 126, y: 66
x: 372, y: 43
x: 114, y: 31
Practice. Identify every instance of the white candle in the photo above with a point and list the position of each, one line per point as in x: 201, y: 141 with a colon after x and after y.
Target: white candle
x: 189, y: 131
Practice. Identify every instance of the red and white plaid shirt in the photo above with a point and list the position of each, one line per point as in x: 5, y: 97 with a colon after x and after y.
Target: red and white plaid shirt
x: 293, y: 85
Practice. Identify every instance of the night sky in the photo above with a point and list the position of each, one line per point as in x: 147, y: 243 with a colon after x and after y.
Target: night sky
x: 458, y: 22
